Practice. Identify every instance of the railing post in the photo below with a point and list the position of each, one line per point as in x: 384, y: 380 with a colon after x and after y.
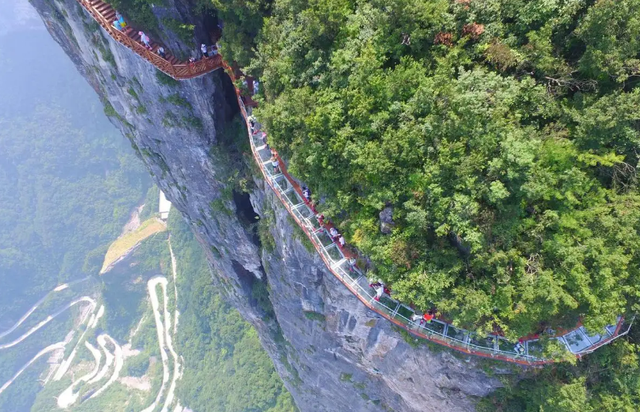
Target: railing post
x: 395, y: 311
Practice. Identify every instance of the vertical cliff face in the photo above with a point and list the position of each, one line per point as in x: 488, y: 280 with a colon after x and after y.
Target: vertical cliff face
x: 332, y: 352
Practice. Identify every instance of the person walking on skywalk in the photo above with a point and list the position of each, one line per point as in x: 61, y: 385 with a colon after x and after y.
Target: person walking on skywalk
x: 145, y: 40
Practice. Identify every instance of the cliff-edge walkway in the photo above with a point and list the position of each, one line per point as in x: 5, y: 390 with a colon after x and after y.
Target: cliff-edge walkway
x: 105, y: 15
x: 577, y: 341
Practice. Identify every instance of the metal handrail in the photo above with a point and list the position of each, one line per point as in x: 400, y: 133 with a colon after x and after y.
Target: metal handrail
x: 366, y: 296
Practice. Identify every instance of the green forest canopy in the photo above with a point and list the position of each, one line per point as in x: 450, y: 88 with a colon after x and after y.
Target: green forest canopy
x: 503, y: 134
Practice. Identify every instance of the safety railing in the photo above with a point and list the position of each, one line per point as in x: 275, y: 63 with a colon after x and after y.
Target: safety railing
x: 577, y: 341
x: 179, y: 71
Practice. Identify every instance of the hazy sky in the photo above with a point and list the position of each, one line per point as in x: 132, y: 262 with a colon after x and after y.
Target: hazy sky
x: 25, y: 81
x: 18, y: 15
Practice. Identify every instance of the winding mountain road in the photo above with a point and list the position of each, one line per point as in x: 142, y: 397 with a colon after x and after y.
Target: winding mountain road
x: 175, y: 285
x: 164, y: 341
x: 47, y: 320
x: 68, y: 397
x: 119, y: 361
x: 50, y: 348
x: 151, y: 285
x: 37, y: 304
x: 177, y: 373
x: 107, y: 363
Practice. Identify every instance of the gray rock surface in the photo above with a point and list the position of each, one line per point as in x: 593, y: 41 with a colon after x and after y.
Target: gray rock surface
x: 332, y: 352
x: 386, y: 220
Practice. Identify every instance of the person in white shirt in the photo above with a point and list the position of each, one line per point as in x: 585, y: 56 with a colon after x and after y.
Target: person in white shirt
x: 144, y: 39
x: 352, y: 264
x: 379, y: 288
x: 275, y: 164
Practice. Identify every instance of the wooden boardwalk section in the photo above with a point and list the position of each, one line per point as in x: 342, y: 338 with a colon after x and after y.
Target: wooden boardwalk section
x: 105, y: 15
x: 577, y: 341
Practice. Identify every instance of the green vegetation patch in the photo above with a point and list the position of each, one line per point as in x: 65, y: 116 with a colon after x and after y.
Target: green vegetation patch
x: 179, y: 101
x: 315, y: 316
x: 137, y: 366
x: 346, y: 377
x: 166, y: 80
x: 185, y: 32
x: 226, y: 368
x: 265, y: 224
x: 505, y: 152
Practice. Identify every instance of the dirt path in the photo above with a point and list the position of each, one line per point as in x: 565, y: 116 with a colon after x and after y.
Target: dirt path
x: 47, y: 320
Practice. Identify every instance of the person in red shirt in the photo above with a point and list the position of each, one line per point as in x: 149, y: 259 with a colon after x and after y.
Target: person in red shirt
x: 427, y: 317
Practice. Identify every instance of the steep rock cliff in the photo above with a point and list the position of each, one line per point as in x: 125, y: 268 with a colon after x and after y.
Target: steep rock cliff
x: 332, y: 352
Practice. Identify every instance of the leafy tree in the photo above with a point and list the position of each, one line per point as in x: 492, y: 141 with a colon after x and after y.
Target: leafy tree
x: 493, y: 130
x: 611, y: 34
x: 241, y: 21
